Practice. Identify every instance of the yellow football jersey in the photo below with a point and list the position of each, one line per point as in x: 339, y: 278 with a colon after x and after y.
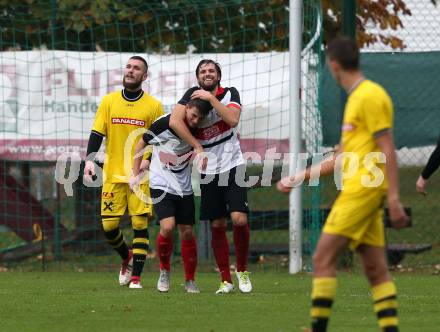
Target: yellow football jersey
x: 368, y: 111
x: 116, y: 119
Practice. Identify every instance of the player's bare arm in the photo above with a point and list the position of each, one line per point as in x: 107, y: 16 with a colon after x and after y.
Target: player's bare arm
x: 432, y: 165
x: 138, y: 157
x: 177, y: 123
x: 139, y: 165
x: 324, y: 168
x: 397, y: 214
x: 421, y: 185
x: 145, y: 165
x: 231, y: 115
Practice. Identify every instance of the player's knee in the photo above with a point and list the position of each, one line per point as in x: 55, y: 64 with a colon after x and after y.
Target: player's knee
x: 166, y: 230
x: 186, y: 234
x: 218, y: 222
x: 139, y: 222
x: 110, y: 223
x: 239, y: 218
x: 375, y: 271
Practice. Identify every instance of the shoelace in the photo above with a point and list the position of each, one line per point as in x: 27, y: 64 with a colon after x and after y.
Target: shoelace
x: 163, y: 277
x: 191, y: 285
x: 125, y: 268
x: 126, y: 265
x: 244, y: 277
x: 223, y: 284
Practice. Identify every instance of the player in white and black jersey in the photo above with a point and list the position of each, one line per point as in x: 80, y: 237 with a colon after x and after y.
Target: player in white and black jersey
x: 216, y: 137
x: 171, y: 190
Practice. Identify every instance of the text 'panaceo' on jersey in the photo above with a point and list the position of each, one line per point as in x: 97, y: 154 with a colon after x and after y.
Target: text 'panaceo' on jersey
x: 118, y: 117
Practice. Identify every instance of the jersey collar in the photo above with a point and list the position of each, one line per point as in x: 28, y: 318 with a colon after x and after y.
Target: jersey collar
x: 132, y: 96
x: 356, y: 84
x: 220, y: 91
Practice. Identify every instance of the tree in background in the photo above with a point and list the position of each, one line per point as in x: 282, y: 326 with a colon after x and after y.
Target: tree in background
x: 180, y: 26
x: 384, y: 14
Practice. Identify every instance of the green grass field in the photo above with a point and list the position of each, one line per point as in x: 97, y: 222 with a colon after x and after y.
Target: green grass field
x: 92, y: 301
x: 68, y: 301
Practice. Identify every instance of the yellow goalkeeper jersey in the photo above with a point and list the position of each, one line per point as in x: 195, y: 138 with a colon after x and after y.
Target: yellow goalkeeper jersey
x: 122, y: 122
x: 368, y: 112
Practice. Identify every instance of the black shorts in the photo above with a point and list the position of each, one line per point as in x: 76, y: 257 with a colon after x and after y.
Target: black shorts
x: 220, y: 199
x: 181, y: 208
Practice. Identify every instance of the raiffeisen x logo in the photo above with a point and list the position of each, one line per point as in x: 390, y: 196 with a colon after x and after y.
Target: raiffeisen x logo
x: 8, y: 98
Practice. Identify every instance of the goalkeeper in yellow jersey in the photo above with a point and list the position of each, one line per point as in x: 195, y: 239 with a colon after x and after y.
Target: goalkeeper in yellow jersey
x: 369, y: 178
x: 119, y: 115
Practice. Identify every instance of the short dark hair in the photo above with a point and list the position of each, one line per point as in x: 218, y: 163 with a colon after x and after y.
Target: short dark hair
x: 137, y: 57
x: 202, y: 106
x: 207, y: 61
x: 344, y: 51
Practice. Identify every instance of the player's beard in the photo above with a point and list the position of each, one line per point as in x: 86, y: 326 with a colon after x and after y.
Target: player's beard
x: 210, y: 87
x: 133, y: 86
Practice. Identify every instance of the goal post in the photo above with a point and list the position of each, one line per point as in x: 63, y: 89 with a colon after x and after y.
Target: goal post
x: 55, y: 68
x: 295, y: 206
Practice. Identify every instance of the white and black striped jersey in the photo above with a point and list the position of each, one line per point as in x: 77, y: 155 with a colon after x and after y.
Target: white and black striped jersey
x: 216, y: 136
x: 170, y: 168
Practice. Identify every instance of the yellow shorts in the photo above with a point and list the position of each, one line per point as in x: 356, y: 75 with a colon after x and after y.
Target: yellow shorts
x: 116, y: 197
x: 358, y: 217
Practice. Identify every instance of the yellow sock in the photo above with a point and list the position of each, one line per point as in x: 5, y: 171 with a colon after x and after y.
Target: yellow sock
x: 114, y: 236
x: 323, y: 293
x: 385, y: 306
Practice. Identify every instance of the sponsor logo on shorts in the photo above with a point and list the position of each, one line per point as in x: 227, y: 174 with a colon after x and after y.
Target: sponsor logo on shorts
x: 107, y: 195
x: 108, y: 206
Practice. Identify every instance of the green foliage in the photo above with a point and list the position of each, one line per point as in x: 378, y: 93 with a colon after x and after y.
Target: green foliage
x: 384, y: 14
x: 146, y: 26
x: 174, y: 26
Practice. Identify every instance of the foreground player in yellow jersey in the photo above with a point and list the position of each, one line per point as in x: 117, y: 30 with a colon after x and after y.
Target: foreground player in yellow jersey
x: 119, y: 115
x: 356, y: 217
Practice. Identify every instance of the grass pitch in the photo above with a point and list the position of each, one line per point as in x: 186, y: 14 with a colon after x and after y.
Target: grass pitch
x: 69, y: 301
